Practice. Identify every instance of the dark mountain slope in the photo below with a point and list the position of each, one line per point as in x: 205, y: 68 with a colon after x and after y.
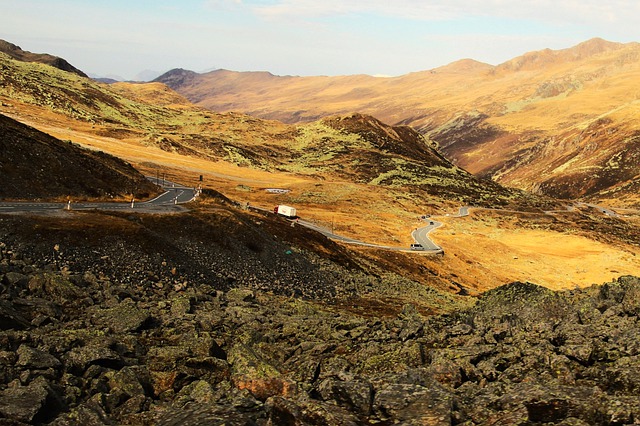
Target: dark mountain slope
x: 36, y: 165
x: 22, y: 55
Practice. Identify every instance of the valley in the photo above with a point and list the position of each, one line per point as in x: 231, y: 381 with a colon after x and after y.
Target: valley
x: 218, y: 311
x: 558, y: 123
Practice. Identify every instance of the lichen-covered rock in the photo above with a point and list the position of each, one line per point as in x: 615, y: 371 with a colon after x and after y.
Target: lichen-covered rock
x: 55, y: 287
x: 80, y: 358
x: 27, y: 404
x: 356, y: 394
x: 35, y: 359
x: 124, y: 317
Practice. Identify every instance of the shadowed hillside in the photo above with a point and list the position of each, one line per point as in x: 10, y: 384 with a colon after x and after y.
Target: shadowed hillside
x: 36, y: 165
x: 22, y: 55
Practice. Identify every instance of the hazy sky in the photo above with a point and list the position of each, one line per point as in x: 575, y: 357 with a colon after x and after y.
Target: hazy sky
x: 305, y: 37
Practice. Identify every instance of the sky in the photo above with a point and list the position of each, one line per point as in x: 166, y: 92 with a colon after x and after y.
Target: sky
x: 122, y: 38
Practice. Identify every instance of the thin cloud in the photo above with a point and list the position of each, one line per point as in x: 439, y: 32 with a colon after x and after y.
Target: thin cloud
x: 585, y: 12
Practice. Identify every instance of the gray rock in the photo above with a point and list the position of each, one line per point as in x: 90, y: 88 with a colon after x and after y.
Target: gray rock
x: 414, y: 404
x: 13, y: 279
x: 123, y: 318
x: 132, y: 381
x: 356, y: 395
x: 86, y: 414
x: 194, y: 414
x: 285, y: 412
x: 36, y: 359
x: 24, y: 403
x: 55, y: 287
x: 79, y: 359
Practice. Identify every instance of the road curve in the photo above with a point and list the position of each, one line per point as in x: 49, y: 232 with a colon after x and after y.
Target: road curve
x: 167, y: 202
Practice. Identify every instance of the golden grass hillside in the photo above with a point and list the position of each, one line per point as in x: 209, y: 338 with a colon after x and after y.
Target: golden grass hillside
x: 526, y: 123
x: 351, y: 173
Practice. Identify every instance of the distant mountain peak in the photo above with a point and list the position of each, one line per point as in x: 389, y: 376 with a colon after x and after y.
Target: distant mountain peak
x: 542, y: 58
x: 593, y: 46
x: 17, y: 53
x: 176, y: 77
x: 465, y: 65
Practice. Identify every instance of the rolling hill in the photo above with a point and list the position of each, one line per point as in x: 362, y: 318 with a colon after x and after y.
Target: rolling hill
x: 352, y: 148
x: 555, y: 122
x: 349, y: 172
x: 17, y: 53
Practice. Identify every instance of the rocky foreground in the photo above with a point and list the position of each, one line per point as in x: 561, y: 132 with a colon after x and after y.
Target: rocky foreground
x: 79, y: 348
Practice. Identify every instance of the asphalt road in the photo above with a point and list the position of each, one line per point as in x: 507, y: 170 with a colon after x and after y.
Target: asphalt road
x: 421, y: 236
x: 167, y: 202
x: 170, y: 201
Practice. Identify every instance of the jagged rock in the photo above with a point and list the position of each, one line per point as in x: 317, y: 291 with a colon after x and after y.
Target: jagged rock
x: 196, y: 414
x: 391, y: 357
x: 414, y: 404
x: 356, y: 395
x: 11, y: 318
x: 14, y: 279
x: 251, y: 370
x: 180, y: 306
x: 199, y: 391
x: 240, y: 296
x: 27, y: 403
x: 34, y: 358
x: 55, y: 287
x: 86, y: 414
x: 124, y: 317
x: 132, y: 381
x: 284, y: 412
x: 79, y: 359
x: 412, y: 322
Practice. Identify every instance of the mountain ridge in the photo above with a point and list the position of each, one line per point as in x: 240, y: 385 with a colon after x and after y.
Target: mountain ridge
x: 498, y: 114
x: 17, y: 53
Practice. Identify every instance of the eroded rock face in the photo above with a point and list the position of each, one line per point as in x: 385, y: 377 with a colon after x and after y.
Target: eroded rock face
x: 76, y: 350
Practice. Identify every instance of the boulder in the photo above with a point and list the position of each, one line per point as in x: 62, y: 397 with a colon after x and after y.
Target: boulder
x: 356, y: 395
x: 94, y: 353
x: 27, y: 404
x: 123, y: 318
x: 36, y: 359
x: 10, y: 318
x: 55, y: 287
x: 413, y: 404
x: 285, y: 412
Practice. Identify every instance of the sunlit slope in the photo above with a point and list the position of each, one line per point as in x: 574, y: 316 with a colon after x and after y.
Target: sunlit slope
x: 539, y: 106
x: 351, y: 173
x: 351, y: 148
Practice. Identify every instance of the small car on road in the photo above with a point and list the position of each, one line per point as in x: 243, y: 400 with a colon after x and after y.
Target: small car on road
x: 417, y: 246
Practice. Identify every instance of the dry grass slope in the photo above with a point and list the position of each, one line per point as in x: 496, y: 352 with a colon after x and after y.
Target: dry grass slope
x: 526, y: 123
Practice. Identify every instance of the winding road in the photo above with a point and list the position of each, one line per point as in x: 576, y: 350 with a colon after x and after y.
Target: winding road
x: 167, y: 202
x: 174, y: 195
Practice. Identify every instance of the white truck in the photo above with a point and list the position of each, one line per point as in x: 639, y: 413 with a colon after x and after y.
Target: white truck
x: 285, y: 211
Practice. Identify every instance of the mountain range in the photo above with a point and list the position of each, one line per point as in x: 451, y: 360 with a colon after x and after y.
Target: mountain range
x: 226, y: 313
x: 558, y: 122
x: 351, y: 172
